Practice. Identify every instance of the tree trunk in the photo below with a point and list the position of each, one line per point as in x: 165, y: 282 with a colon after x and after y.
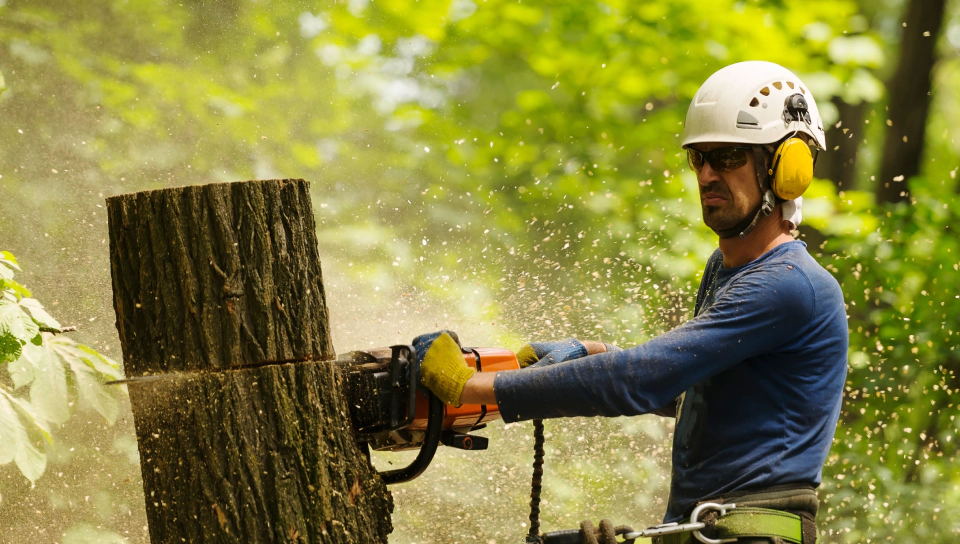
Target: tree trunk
x: 243, y: 429
x: 909, y: 100
x: 839, y: 161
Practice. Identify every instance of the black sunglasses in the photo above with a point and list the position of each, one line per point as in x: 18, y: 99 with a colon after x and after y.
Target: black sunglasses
x: 722, y: 159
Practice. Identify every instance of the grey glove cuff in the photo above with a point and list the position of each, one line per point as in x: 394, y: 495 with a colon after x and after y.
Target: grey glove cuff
x: 611, y: 347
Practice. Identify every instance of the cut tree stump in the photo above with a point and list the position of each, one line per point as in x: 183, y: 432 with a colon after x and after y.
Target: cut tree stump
x: 243, y: 429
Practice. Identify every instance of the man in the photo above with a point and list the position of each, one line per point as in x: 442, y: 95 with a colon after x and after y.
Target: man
x: 756, y: 377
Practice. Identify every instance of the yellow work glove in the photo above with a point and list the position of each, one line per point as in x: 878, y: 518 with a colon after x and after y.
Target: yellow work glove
x: 443, y: 369
x: 527, y: 356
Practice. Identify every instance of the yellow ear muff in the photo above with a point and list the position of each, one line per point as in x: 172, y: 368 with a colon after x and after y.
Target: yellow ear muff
x: 792, y: 169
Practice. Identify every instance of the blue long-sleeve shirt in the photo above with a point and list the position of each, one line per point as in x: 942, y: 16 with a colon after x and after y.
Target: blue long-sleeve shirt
x: 760, y: 368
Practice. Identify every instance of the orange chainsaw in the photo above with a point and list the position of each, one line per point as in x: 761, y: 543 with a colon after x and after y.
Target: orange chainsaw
x: 391, y: 411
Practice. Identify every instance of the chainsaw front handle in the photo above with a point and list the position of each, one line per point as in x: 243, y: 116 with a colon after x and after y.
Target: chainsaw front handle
x: 429, y: 448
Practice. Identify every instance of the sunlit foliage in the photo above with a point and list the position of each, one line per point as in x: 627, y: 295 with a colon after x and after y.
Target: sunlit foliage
x: 893, y: 466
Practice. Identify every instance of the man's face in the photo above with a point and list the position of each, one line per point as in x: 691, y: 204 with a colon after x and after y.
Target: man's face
x: 727, y: 198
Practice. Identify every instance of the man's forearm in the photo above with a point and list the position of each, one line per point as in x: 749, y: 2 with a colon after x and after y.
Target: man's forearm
x: 479, y: 388
x: 594, y: 348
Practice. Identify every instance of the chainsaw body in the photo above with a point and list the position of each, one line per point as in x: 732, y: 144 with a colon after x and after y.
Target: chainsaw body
x: 391, y: 411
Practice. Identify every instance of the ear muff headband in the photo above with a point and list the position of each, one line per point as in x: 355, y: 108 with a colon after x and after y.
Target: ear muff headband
x: 792, y: 169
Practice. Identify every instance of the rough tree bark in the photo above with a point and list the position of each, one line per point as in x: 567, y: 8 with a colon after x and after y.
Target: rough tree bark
x: 908, y: 94
x: 240, y: 417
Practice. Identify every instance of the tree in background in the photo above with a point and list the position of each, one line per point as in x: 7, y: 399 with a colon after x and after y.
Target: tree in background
x: 909, y: 100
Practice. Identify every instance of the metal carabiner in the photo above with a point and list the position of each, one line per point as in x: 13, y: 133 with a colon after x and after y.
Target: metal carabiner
x: 693, y: 526
x: 695, y: 517
x: 664, y: 529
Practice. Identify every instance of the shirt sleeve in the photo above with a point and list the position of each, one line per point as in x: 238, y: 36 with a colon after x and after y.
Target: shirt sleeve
x: 756, y: 313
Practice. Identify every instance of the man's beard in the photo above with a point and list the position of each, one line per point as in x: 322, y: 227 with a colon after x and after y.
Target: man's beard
x: 727, y: 216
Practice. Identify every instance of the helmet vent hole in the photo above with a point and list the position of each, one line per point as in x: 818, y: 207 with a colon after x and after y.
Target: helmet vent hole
x: 765, y: 91
x: 790, y: 84
x: 754, y: 103
x: 802, y: 90
x: 777, y: 85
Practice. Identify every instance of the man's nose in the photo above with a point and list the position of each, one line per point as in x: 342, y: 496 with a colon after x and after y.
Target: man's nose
x: 707, y: 174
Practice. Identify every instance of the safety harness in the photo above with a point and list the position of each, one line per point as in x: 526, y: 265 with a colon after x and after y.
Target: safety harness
x: 712, y: 522
x: 727, y: 523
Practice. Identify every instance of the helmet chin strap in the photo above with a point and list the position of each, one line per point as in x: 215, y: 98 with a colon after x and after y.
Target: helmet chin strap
x: 763, y: 209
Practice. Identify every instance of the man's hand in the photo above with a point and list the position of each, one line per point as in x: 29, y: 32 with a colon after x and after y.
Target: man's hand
x: 548, y: 353
x: 442, y: 367
x: 564, y: 350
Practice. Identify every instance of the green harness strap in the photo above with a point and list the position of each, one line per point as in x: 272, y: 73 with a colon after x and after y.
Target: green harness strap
x: 748, y: 522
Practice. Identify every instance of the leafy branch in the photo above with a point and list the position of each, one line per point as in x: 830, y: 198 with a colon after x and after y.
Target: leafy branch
x: 46, y: 371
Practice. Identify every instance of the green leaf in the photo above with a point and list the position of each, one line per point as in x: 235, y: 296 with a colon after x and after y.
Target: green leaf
x: 7, y: 265
x: 15, y: 445
x: 16, y: 287
x: 15, y: 323
x: 106, y: 366
x: 10, y: 349
x: 48, y: 390
x: 21, y: 371
x: 39, y: 314
x: 11, y: 429
x: 102, y: 398
x: 30, y: 461
x: 93, y: 392
x: 8, y: 259
x: 28, y: 412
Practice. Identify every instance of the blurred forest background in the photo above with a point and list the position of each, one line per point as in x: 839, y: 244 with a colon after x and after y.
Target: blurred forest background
x: 509, y: 169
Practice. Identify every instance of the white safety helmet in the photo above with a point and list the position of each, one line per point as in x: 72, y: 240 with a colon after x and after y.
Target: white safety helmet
x: 749, y: 103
